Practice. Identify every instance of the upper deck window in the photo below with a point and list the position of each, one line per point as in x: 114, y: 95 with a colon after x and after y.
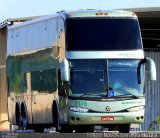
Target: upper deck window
x: 99, y: 34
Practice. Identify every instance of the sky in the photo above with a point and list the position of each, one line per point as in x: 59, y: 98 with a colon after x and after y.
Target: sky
x: 25, y: 8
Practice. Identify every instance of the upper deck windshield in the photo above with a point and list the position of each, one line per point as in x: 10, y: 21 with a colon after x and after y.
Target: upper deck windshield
x: 105, y: 78
x: 100, y: 34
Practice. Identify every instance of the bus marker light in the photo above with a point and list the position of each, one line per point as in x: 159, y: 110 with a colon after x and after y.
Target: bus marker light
x: 101, y: 13
x: 69, y: 14
x: 133, y: 14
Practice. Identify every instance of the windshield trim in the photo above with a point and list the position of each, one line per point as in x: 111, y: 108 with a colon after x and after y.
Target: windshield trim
x: 111, y: 99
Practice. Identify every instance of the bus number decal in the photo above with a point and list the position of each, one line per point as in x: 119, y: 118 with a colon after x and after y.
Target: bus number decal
x: 81, y: 103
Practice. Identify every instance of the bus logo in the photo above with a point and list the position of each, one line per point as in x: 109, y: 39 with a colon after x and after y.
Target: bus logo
x: 108, y: 108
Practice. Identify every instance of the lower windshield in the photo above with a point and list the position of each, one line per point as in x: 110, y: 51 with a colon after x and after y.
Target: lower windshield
x: 105, y: 78
x: 88, y: 77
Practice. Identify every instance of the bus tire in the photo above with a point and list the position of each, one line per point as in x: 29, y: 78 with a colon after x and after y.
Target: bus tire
x: 24, y: 122
x: 18, y: 117
x: 55, y: 115
x: 124, y: 128
x: 84, y: 129
x: 113, y: 127
x: 66, y: 129
x: 24, y: 116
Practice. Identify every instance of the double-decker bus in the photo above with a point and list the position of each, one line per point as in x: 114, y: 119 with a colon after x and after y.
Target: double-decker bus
x: 77, y: 70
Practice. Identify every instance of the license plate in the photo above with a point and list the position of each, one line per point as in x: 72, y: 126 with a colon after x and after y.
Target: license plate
x: 107, y: 118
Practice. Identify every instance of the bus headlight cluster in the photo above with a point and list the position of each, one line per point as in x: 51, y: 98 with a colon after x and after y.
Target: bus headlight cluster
x: 136, y: 109
x: 78, y: 109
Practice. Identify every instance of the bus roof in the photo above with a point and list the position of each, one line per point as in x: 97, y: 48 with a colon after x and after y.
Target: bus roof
x: 12, y: 21
x: 101, y: 13
x: 79, y: 13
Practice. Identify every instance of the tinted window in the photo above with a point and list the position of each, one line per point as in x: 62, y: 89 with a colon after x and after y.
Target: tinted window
x: 103, y: 34
x: 123, y: 77
x: 88, y: 76
x: 45, y: 81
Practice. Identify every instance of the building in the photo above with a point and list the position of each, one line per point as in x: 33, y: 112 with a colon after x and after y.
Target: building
x: 150, y: 28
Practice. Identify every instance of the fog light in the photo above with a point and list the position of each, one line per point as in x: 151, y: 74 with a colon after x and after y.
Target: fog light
x: 73, y: 118
x: 77, y: 119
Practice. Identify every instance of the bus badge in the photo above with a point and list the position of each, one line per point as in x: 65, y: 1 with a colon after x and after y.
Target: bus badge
x: 108, y: 108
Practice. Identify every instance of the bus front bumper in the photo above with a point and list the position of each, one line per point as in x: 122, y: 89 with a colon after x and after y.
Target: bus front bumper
x: 78, y: 118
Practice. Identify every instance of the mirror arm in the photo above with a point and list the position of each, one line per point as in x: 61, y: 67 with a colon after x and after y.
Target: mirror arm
x: 138, y: 70
x: 151, y: 68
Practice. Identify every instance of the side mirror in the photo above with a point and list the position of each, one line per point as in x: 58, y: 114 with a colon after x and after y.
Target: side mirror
x: 151, y: 68
x: 65, y: 73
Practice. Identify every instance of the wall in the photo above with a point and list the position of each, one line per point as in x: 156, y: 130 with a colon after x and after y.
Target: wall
x: 152, y: 93
x: 4, y: 124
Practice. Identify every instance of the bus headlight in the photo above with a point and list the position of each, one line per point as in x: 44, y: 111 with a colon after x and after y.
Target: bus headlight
x: 78, y: 109
x: 136, y: 109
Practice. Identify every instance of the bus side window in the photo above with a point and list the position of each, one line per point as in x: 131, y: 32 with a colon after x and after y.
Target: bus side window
x: 49, y: 80
x: 24, y: 83
x: 44, y: 81
x: 35, y: 80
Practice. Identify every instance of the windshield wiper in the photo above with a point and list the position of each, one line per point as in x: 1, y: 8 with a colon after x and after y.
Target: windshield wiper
x: 92, y: 94
x: 128, y: 95
x: 131, y: 92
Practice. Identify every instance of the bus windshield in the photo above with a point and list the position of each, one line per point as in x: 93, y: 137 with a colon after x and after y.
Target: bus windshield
x: 105, y: 78
x: 100, y: 34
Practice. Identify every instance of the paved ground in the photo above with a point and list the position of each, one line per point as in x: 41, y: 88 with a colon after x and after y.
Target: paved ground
x: 78, y: 135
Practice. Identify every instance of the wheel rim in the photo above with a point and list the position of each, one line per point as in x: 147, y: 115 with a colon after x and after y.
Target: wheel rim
x: 24, y: 120
x: 58, y: 126
x: 24, y: 123
x: 20, y: 122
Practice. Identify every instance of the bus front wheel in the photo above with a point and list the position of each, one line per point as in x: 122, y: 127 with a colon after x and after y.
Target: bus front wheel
x: 56, y: 123
x: 24, y: 121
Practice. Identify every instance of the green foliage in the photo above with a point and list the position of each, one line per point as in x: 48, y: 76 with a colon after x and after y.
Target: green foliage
x: 17, y: 83
x: 156, y: 121
x: 151, y: 126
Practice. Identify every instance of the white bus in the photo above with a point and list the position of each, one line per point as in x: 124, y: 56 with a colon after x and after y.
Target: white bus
x: 77, y: 70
